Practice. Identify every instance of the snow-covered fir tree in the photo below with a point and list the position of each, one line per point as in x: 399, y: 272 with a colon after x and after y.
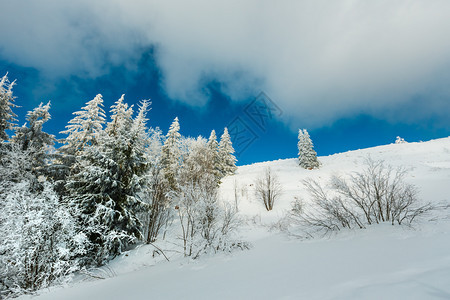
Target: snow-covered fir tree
x: 213, y: 147
x: 109, y: 178
x: 84, y: 129
x: 227, y: 161
x: 306, y: 155
x: 171, y: 154
x: 121, y: 117
x: 400, y: 140
x: 7, y: 116
x: 30, y: 137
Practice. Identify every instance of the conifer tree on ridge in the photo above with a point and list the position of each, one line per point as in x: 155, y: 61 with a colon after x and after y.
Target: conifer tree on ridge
x: 33, y: 139
x: 171, y: 154
x: 226, y: 150
x: 306, y: 155
x: 213, y: 149
x: 7, y: 116
x: 84, y: 129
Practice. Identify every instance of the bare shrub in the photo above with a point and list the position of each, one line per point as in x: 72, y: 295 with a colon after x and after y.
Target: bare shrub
x: 158, y: 213
x: 268, y: 188
x: 375, y: 195
x: 236, y: 195
x: 206, y: 224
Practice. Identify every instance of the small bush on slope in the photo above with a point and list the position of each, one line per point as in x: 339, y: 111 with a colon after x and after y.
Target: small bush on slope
x: 268, y: 188
x: 207, y: 226
x: 375, y: 195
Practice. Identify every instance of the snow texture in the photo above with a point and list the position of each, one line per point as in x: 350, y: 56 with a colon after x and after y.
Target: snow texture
x: 382, y: 261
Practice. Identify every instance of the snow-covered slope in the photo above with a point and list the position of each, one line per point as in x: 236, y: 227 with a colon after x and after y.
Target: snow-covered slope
x: 429, y: 163
x: 380, y: 262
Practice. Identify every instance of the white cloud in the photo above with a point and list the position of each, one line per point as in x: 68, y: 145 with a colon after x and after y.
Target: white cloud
x: 319, y: 60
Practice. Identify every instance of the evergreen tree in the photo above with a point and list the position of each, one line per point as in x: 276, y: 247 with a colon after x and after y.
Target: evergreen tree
x: 227, y: 159
x: 213, y: 156
x: 121, y: 118
x: 171, y: 154
x: 110, y: 176
x: 306, y: 154
x: 7, y: 117
x: 16, y: 165
x: 33, y: 139
x: 83, y: 131
x: 85, y: 128
x: 27, y: 156
x: 400, y: 140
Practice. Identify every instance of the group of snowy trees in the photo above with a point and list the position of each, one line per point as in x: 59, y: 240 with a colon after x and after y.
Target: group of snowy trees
x: 40, y: 240
x: 111, y: 184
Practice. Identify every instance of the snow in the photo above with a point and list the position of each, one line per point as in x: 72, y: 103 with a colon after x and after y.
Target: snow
x: 382, y: 261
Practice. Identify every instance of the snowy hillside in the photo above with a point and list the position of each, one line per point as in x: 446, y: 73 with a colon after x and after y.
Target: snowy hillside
x: 429, y: 163
x: 380, y: 262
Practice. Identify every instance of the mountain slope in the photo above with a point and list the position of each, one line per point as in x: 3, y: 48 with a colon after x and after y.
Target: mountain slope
x: 382, y: 261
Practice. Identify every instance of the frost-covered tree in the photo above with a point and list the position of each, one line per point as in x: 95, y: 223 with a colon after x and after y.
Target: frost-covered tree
x: 39, y: 237
x: 16, y: 165
x: 157, y: 214
x: 83, y: 131
x: 39, y: 240
x: 213, y: 147
x: 400, y: 140
x: 121, y: 118
x: 110, y: 175
x: 306, y: 155
x: 226, y: 158
x: 206, y: 224
x: 197, y: 161
x: 85, y: 128
x: 32, y: 135
x: 31, y: 138
x: 171, y: 154
x: 7, y: 116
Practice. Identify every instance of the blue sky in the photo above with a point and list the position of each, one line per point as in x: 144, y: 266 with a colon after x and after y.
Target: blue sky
x: 355, y: 74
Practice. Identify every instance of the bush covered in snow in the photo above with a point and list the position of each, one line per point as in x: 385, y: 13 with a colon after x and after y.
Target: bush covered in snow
x: 39, y: 240
x: 377, y: 194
